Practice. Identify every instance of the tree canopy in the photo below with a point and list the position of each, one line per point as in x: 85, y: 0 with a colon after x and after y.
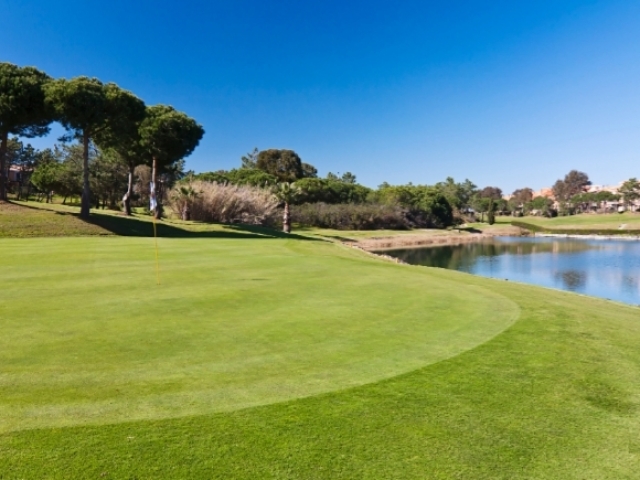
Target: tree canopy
x: 458, y: 195
x: 250, y: 160
x: 522, y: 196
x: 285, y: 165
x: 122, y: 139
x: 167, y: 136
x: 239, y: 176
x: 86, y: 108
x: 630, y: 190
x: 573, y: 184
x: 426, y: 204
x: 23, y: 110
x: 493, y: 193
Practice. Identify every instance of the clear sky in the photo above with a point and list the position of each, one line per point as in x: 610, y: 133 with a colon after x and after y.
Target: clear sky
x: 505, y: 93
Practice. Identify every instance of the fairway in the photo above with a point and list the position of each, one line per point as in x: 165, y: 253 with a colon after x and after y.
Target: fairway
x: 296, y: 241
x: 90, y: 338
x: 624, y: 221
x: 290, y: 358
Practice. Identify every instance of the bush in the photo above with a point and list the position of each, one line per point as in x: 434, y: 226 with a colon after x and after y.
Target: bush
x: 239, y: 176
x: 214, y: 202
x: 323, y: 190
x: 426, y: 205
x: 349, y: 216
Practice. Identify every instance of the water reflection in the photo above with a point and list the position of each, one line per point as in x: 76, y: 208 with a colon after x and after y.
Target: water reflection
x: 605, y: 268
x: 464, y: 257
x: 572, y: 279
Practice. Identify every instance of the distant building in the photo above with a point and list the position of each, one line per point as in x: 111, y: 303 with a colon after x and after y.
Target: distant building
x: 544, y: 192
x: 604, y: 188
x: 15, y: 175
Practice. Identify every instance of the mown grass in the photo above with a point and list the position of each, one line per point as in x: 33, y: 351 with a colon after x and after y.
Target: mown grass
x: 263, y: 357
x: 234, y: 323
x: 587, y: 221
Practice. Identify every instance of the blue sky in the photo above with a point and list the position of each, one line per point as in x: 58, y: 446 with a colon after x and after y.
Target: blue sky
x: 504, y: 93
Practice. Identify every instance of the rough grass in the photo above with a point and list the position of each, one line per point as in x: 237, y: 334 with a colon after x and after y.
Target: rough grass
x: 19, y: 220
x: 88, y: 341
x: 35, y: 219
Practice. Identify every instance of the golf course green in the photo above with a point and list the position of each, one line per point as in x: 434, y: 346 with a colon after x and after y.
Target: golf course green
x: 258, y: 356
x: 233, y: 323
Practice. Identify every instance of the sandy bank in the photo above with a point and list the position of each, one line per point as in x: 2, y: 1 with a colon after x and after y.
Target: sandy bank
x: 589, y: 236
x: 430, y: 240
x: 417, y: 241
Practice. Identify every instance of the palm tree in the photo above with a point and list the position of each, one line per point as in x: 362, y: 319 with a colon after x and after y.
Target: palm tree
x: 286, y: 193
x: 185, y: 195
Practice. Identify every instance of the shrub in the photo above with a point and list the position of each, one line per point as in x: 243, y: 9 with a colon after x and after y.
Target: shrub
x: 426, y: 205
x: 324, y: 190
x: 349, y: 216
x: 214, y: 202
x: 239, y: 176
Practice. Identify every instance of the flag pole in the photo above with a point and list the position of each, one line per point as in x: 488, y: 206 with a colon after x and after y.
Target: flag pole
x: 155, y: 238
x: 153, y: 206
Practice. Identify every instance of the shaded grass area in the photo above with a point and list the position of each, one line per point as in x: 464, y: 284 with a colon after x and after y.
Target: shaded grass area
x: 35, y: 219
x: 555, y: 396
x: 19, y: 220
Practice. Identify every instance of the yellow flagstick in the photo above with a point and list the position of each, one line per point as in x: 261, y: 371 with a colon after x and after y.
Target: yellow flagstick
x: 155, y: 237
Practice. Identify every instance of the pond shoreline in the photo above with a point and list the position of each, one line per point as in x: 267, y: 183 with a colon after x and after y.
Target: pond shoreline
x: 429, y: 241
x: 606, y: 269
x: 587, y: 236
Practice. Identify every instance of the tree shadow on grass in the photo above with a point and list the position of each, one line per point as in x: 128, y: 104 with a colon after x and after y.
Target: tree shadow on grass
x: 133, y: 227
x: 122, y: 225
x: 468, y: 229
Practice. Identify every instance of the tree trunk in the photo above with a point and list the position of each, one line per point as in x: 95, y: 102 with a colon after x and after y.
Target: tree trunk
x: 126, y: 200
x: 154, y: 191
x: 186, y: 212
x: 3, y: 165
x: 86, y: 189
x: 286, y: 219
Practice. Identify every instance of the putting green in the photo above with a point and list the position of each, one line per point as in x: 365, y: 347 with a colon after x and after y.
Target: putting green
x: 89, y: 338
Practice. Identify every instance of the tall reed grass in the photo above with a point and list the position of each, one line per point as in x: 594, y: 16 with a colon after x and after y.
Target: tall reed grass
x: 216, y: 202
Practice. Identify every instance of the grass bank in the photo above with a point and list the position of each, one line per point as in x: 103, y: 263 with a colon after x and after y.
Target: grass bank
x: 265, y: 357
x: 588, y: 221
x: 35, y: 219
x: 584, y: 224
